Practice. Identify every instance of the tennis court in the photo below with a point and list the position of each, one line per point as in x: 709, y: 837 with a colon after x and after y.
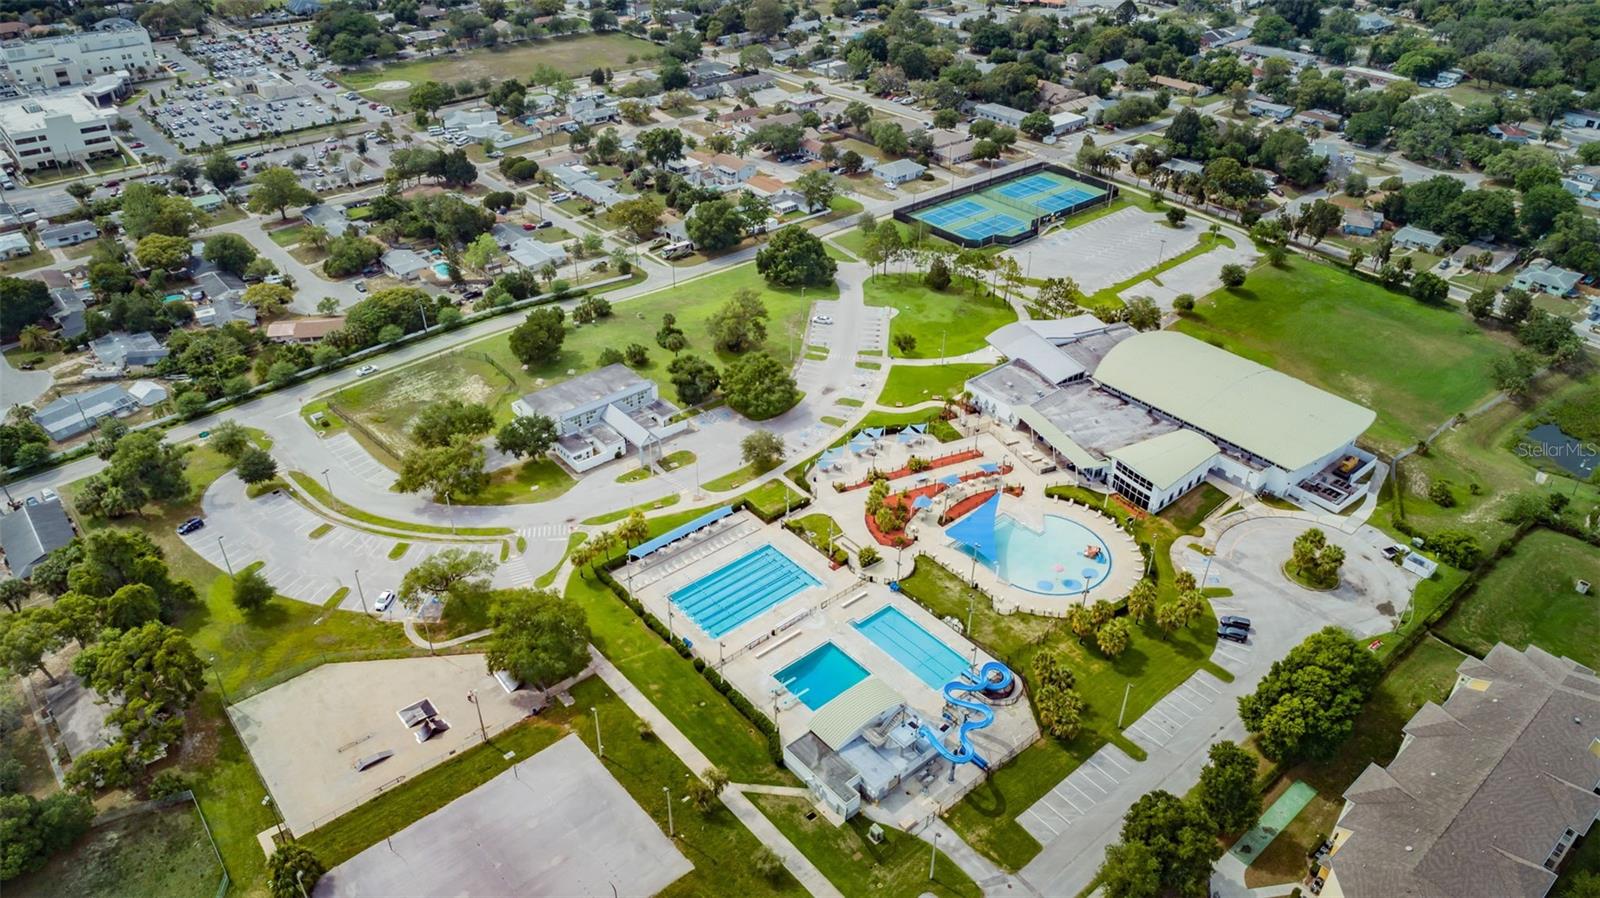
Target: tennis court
x: 1010, y: 208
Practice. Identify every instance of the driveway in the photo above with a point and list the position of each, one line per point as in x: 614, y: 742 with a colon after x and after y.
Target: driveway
x: 21, y: 387
x: 1081, y: 816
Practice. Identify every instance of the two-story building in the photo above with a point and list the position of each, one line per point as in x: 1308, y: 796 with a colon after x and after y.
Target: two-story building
x: 598, y: 414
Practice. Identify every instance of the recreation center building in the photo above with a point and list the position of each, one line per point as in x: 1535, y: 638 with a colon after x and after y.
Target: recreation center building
x: 1151, y: 415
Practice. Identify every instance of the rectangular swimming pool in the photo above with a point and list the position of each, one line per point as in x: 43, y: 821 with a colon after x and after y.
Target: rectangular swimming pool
x: 734, y: 593
x: 821, y: 675
x: 917, y: 650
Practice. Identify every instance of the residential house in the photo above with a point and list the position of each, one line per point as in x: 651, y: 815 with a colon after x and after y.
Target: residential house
x: 1213, y: 38
x: 332, y: 219
x: 1075, y: 62
x: 1340, y: 160
x: 147, y: 393
x: 591, y: 109
x: 599, y: 414
x: 70, y: 304
x: 721, y: 170
x: 404, y: 264
x: 14, y: 245
x: 1052, y: 94
x: 534, y: 255
x: 1412, y: 237
x: 1500, y: 257
x: 1278, y: 112
x: 1114, y: 66
x: 1295, y: 58
x: 835, y: 69
x: 208, y: 203
x: 998, y: 112
x: 78, y: 413
x: 1362, y: 222
x: 1320, y: 119
x: 1181, y: 87
x: 1182, y: 167
x: 124, y: 350
x: 899, y: 171
x: 32, y: 532
x: 1544, y: 276
x: 1487, y: 792
x: 1355, y: 75
x: 303, y: 330
x: 1372, y: 23
x: 1066, y: 122
x: 70, y: 234
x: 1511, y: 134
x: 598, y: 192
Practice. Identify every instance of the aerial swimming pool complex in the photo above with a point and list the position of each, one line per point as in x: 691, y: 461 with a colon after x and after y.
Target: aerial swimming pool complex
x: 738, y: 591
x: 1062, y: 558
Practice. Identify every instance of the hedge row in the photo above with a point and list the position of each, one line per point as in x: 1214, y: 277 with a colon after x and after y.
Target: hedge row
x: 734, y: 697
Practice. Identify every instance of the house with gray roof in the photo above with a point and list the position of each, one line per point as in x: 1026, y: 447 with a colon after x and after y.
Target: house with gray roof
x: 899, y: 171
x: 78, y: 413
x: 534, y: 254
x: 14, y: 245
x: 70, y: 234
x: 1544, y: 276
x: 67, y: 313
x: 31, y: 532
x: 1488, y: 792
x: 1412, y: 237
x: 124, y: 350
x: 404, y: 264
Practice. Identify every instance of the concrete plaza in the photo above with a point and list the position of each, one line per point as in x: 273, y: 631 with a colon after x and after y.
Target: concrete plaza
x: 555, y: 824
x: 306, y: 735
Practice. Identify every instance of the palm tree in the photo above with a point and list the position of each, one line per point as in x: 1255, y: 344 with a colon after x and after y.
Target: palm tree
x: 34, y: 338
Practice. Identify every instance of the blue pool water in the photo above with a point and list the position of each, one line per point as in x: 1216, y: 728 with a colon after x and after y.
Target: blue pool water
x: 821, y: 675
x: 919, y: 651
x: 442, y: 269
x: 727, y: 597
x: 1049, y: 561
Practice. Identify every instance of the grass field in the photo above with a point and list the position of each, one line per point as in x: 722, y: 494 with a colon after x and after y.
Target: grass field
x: 896, y: 869
x: 1426, y: 674
x: 1528, y: 599
x: 952, y: 322
x: 534, y: 480
x: 1153, y: 666
x: 856, y: 242
x: 912, y: 384
x: 1415, y: 365
x: 486, y: 371
x: 163, y: 852
x: 1484, y: 474
x: 575, y: 55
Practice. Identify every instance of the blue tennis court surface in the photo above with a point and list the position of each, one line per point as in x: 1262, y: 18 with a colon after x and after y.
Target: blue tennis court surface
x: 1035, y: 196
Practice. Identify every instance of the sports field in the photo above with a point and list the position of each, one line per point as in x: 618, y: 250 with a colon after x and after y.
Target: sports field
x: 1009, y: 208
x: 574, y: 55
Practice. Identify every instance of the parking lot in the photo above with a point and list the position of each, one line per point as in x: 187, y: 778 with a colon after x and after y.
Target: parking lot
x: 208, y: 116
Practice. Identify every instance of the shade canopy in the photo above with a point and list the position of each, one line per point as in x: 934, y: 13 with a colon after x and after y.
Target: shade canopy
x: 921, y: 502
x: 949, y: 480
x: 989, y: 467
x: 976, y: 530
x: 679, y: 532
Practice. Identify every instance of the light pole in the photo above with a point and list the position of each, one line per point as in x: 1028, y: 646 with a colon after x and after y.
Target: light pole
x: 423, y: 311
x: 450, y: 510
x: 934, y: 857
x: 472, y: 696
x: 301, y: 885
x: 360, y: 594
x: 215, y: 673
x: 1124, y: 710
x: 668, y: 793
x: 327, y: 482
x: 599, y: 747
x: 225, y: 560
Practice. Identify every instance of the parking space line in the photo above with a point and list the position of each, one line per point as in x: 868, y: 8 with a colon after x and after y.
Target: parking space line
x: 1100, y: 770
x: 1111, y: 759
x: 1200, y: 682
x: 1044, y: 823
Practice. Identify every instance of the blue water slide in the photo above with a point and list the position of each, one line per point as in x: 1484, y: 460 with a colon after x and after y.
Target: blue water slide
x: 968, y: 754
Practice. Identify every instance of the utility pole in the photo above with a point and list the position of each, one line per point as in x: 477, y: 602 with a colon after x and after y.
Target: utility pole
x: 472, y: 696
x: 225, y: 560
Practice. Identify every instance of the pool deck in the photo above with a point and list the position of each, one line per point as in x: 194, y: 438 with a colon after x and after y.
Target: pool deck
x: 1030, y: 509
x: 750, y: 655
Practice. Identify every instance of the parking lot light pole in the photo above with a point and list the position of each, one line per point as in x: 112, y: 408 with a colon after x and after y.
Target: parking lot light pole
x: 327, y: 483
x: 1124, y: 710
x: 933, y: 858
x: 472, y: 696
x: 423, y: 311
x: 599, y: 746
x: 360, y: 594
x: 668, y: 793
x: 225, y: 560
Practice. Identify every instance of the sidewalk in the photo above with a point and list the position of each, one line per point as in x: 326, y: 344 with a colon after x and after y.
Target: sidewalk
x: 748, y: 814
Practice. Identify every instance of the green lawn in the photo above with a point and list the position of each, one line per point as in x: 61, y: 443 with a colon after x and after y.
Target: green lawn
x: 669, y: 462
x: 486, y: 371
x: 944, y: 323
x: 612, y: 517
x: 673, y: 685
x: 157, y: 853
x: 1477, y: 460
x: 573, y: 55
x: 1153, y: 666
x: 857, y: 867
x: 315, y: 489
x: 288, y: 236
x: 1528, y: 599
x: 856, y: 242
x: 1426, y: 674
x: 913, y: 384
x: 35, y: 259
x: 1187, y: 513
x: 534, y: 480
x: 735, y: 479
x: 1415, y: 365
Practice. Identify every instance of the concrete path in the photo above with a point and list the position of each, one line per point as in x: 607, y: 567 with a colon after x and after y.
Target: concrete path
x: 748, y: 813
x: 990, y: 878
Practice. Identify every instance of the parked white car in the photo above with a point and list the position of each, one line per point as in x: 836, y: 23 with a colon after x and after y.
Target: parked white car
x: 386, y: 599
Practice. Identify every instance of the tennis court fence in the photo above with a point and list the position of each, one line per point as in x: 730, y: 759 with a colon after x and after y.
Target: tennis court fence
x: 1039, y: 217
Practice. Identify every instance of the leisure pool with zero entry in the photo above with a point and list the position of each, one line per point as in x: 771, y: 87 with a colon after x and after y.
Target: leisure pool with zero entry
x: 819, y: 676
x: 1051, y: 561
x: 734, y: 593
x: 909, y: 643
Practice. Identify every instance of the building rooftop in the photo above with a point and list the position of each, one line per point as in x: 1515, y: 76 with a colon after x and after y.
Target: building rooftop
x: 1016, y: 383
x: 1270, y: 414
x: 24, y: 115
x: 1165, y: 459
x: 75, y: 408
x: 31, y: 532
x: 586, y: 389
x: 1482, y: 789
x: 843, y: 717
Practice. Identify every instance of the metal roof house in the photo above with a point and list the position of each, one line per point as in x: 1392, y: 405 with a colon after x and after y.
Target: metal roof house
x: 31, y: 532
x: 1488, y: 791
x: 1412, y: 237
x: 78, y: 413
x: 1544, y: 276
x: 120, y: 350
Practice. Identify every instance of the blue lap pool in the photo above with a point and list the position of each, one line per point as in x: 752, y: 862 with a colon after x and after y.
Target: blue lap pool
x: 727, y: 597
x: 821, y: 675
x: 919, y: 651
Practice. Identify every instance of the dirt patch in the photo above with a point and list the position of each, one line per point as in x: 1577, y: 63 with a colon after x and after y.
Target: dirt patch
x: 392, y: 85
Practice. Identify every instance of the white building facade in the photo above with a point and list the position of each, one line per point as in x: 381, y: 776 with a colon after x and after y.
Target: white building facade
x: 59, y: 129
x: 599, y: 414
x: 80, y: 58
